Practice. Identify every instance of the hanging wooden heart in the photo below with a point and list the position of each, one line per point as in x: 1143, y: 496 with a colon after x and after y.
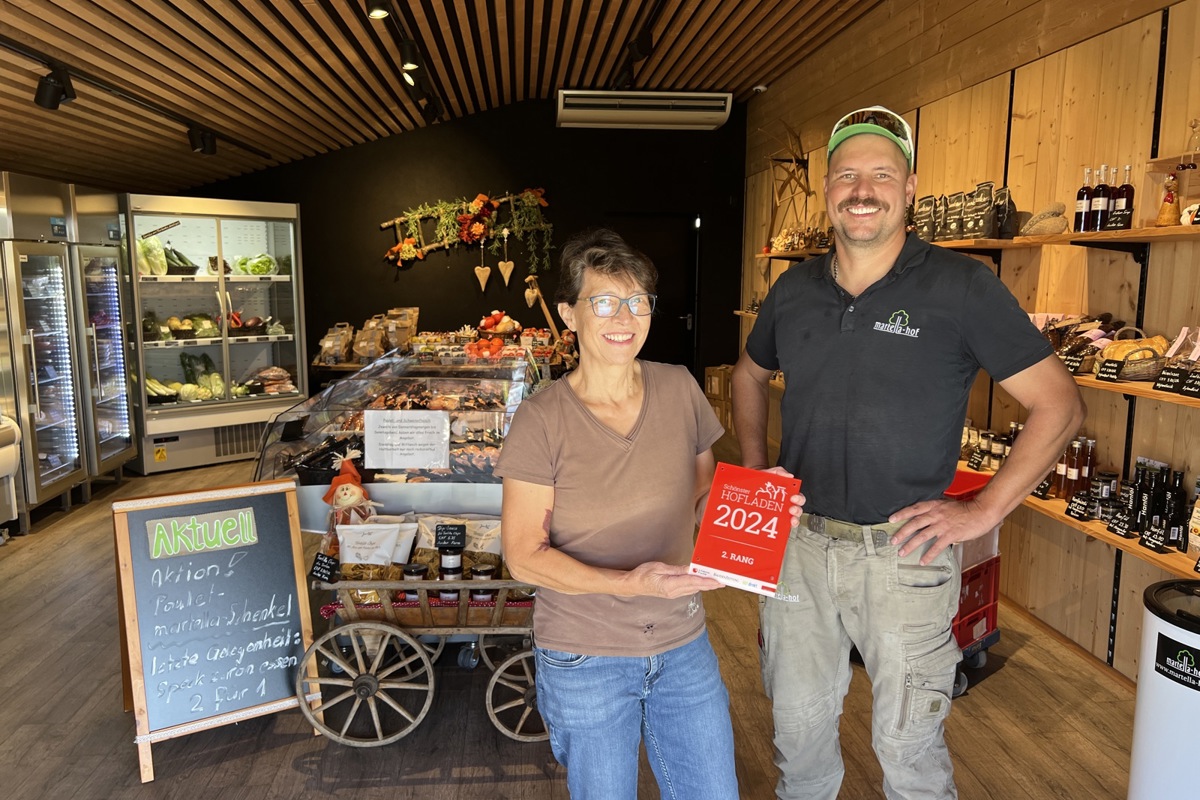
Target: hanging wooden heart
x: 506, y: 268
x: 482, y: 274
x: 530, y: 296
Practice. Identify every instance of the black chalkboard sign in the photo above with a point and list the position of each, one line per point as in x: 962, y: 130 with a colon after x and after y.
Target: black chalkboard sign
x: 1042, y: 490
x: 215, y: 614
x: 1110, y: 370
x: 1191, y: 385
x: 1073, y: 363
x: 1120, y: 524
x: 1170, y: 379
x: 975, y: 461
x: 1077, y: 508
x: 1154, y: 538
x: 449, y: 534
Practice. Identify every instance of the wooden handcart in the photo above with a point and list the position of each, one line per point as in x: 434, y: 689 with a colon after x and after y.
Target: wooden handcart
x: 374, y: 677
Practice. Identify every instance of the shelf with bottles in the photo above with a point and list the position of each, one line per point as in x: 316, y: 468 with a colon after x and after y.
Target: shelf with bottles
x: 747, y: 314
x: 1177, y: 563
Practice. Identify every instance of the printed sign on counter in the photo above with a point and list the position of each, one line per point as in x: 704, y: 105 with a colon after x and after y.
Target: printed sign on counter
x: 745, y: 528
x: 406, y: 439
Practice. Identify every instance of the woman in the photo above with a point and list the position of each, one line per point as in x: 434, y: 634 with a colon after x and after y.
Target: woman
x: 605, y: 474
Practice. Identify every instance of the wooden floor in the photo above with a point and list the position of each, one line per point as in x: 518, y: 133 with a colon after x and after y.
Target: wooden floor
x: 1040, y: 720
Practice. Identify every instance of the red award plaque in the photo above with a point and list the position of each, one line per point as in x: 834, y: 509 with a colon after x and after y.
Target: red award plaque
x: 745, y: 528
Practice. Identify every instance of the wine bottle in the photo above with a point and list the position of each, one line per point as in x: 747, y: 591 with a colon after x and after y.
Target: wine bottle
x: 1100, y: 195
x: 1083, y: 201
x: 1123, y: 200
x: 1074, y: 461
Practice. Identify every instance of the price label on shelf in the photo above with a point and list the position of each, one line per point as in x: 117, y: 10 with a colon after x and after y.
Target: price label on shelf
x: 1073, y: 363
x: 1191, y: 385
x: 1120, y: 524
x: 1078, y: 507
x: 975, y: 461
x: 1171, y: 379
x: 745, y: 528
x: 1110, y: 371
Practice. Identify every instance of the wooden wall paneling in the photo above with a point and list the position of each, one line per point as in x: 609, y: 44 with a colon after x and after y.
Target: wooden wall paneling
x: 1062, y: 576
x: 1166, y: 432
x: 1112, y: 284
x: 1181, y: 81
x: 961, y: 139
x: 755, y: 271
x: 1173, y: 288
x: 1107, y: 415
x: 1136, y: 575
x: 907, y: 54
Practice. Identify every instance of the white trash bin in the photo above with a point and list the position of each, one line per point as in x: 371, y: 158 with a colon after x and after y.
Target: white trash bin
x: 1168, y: 692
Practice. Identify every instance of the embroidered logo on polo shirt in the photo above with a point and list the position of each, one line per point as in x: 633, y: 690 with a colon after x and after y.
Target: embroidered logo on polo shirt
x: 898, y: 324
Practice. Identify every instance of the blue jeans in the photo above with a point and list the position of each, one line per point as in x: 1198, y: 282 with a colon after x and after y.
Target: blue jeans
x: 832, y: 594
x: 599, y: 708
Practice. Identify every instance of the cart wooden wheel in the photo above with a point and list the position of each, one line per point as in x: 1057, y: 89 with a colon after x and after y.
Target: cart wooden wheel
x: 375, y: 683
x: 434, y: 648
x: 512, y: 700
x: 496, y: 648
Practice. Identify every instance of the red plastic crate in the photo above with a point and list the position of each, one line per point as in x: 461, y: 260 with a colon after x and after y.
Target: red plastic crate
x: 980, y: 586
x: 966, y: 484
x: 973, y: 627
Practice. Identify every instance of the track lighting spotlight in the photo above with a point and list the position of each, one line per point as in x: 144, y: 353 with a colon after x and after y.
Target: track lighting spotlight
x: 410, y: 55
x: 202, y: 141
x: 378, y: 9
x: 54, y: 88
x: 432, y: 110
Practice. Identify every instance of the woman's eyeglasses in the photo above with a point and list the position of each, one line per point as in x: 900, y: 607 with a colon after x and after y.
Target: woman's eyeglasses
x: 609, y: 305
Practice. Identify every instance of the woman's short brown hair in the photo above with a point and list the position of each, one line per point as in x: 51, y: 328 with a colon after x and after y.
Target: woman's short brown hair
x: 607, y: 253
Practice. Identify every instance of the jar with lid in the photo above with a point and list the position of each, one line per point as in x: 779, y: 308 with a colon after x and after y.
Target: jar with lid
x: 451, y: 570
x: 414, y: 572
x: 483, y: 572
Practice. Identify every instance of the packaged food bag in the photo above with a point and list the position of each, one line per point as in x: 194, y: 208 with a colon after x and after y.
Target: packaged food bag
x: 366, y: 553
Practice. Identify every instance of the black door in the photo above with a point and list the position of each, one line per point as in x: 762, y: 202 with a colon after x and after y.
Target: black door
x: 671, y: 240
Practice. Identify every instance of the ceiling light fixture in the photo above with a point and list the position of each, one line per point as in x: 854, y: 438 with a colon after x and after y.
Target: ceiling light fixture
x: 202, y: 141
x: 54, y: 88
x: 378, y: 9
x: 410, y: 55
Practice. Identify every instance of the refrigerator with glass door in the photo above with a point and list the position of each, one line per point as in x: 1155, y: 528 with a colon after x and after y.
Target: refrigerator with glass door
x: 44, y: 400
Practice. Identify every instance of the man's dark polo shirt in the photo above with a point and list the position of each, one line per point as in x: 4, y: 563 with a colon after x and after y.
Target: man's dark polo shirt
x: 876, y: 388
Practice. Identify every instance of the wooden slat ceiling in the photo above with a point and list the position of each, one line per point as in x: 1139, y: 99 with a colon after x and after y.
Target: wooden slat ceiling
x: 291, y: 79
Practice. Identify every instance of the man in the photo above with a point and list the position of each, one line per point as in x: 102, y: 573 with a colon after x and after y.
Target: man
x: 879, y: 343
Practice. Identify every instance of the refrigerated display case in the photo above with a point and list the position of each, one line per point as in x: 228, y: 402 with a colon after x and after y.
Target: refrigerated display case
x: 107, y: 419
x: 45, y: 398
x: 412, y: 428
x: 219, y: 327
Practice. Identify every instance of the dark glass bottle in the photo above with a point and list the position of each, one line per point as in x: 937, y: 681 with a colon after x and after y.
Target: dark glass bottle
x: 1100, y: 195
x: 1123, y: 198
x: 1083, y: 202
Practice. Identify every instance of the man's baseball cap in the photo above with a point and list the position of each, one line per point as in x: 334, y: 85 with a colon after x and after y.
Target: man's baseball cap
x: 879, y: 121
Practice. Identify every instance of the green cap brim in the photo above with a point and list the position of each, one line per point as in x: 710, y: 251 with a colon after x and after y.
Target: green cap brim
x: 866, y: 127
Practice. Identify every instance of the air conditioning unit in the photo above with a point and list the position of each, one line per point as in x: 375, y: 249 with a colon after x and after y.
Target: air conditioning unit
x: 581, y: 108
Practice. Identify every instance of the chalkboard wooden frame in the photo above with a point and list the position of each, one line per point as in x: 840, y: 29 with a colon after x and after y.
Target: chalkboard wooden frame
x: 274, y: 514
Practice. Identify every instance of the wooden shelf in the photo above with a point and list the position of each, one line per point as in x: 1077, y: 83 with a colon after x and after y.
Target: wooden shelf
x: 1168, y: 163
x: 795, y: 255
x: 750, y: 314
x: 1174, y: 233
x: 1137, y: 389
x: 1179, y: 564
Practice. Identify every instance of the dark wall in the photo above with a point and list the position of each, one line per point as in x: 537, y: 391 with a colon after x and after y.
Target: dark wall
x: 589, y: 175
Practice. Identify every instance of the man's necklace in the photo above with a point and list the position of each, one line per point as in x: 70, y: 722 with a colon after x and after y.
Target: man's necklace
x: 834, y: 270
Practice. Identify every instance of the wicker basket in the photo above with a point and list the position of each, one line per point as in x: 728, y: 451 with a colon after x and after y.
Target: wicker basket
x: 1097, y: 360
x: 1142, y: 369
